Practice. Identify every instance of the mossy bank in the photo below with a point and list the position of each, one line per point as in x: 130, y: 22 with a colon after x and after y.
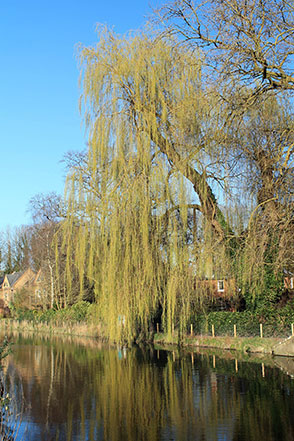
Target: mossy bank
x: 275, y: 346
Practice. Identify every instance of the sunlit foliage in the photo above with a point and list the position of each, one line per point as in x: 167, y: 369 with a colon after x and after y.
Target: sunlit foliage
x: 149, y: 144
x: 156, y: 202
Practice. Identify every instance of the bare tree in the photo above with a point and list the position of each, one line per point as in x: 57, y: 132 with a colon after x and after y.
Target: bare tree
x: 248, y: 42
x: 46, y: 211
x: 46, y: 208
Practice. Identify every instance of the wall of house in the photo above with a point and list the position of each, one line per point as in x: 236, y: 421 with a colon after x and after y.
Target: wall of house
x: 7, y: 293
x: 217, y: 288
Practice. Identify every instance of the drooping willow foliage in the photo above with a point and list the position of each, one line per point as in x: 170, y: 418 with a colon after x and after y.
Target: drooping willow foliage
x: 143, y: 218
x: 127, y: 224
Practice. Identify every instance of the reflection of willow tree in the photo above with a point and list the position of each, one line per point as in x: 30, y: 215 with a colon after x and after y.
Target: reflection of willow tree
x: 258, y: 418
x: 188, y: 403
x: 149, y: 395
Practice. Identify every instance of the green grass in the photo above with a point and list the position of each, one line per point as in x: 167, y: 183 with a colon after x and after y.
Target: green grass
x: 243, y: 344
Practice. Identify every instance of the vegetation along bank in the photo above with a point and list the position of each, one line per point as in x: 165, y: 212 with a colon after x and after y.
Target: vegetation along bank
x: 222, y: 330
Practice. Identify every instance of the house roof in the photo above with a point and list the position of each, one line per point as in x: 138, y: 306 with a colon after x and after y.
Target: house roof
x: 13, y: 278
x: 19, y: 279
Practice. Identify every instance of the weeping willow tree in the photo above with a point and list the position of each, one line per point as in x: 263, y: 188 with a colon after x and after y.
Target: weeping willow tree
x: 132, y: 227
x: 143, y: 218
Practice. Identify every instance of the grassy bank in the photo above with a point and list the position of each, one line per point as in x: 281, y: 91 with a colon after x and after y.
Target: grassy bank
x: 76, y: 320
x: 243, y: 344
x: 82, y: 320
x: 63, y: 328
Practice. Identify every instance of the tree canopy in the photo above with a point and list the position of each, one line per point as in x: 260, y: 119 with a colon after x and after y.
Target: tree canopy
x: 249, y: 41
x: 150, y: 205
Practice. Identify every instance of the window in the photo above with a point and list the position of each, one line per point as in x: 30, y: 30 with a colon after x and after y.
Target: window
x: 220, y: 286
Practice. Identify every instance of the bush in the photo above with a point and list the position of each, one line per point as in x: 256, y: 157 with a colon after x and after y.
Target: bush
x: 75, y: 313
x: 21, y: 313
x: 78, y: 311
x: 247, y: 323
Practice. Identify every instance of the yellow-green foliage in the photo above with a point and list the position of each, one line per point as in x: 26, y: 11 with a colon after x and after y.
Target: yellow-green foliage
x: 143, y: 218
x: 140, y: 97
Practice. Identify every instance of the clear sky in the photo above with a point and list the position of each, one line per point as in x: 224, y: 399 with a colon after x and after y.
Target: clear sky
x: 39, y: 116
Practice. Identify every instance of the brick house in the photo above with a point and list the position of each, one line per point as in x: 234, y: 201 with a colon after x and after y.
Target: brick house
x: 217, y: 288
x: 222, y: 293
x: 15, y: 282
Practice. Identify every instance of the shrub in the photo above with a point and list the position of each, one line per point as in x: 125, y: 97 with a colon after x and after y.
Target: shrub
x: 75, y: 313
x: 247, y: 322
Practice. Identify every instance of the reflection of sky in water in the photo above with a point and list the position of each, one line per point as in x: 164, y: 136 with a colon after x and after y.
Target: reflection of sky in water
x: 75, y: 393
x: 32, y: 432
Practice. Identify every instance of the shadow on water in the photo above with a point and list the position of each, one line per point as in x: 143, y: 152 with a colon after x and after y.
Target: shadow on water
x: 82, y: 390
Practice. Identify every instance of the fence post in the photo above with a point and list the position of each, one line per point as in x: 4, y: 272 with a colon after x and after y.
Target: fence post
x: 212, y: 330
x: 235, y: 331
x: 292, y: 329
x: 261, y: 330
x: 191, y: 330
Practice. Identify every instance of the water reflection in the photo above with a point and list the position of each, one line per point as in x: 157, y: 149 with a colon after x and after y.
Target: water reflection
x: 92, y: 392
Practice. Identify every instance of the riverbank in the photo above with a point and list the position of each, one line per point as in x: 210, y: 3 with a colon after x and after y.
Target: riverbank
x: 255, y: 345
x: 78, y: 329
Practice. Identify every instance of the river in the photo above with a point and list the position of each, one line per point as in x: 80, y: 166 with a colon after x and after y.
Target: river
x: 78, y: 389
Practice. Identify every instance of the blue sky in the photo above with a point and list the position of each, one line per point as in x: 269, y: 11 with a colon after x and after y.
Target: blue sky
x: 39, y: 117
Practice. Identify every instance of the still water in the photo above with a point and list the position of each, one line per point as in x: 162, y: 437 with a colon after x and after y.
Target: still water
x: 81, y: 390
